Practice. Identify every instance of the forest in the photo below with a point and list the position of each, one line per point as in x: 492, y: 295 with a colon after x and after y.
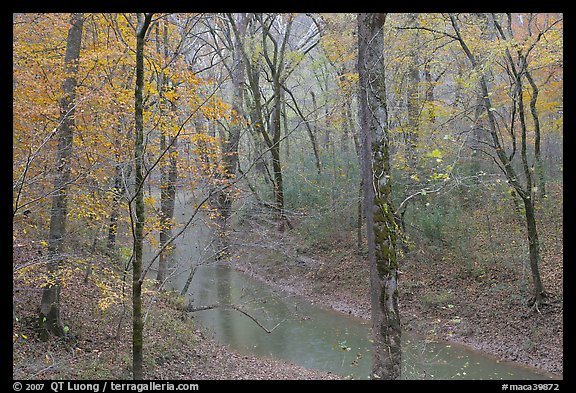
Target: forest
x: 224, y: 196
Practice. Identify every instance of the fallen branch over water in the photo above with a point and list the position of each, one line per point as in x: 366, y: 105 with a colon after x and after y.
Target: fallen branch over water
x: 190, y: 308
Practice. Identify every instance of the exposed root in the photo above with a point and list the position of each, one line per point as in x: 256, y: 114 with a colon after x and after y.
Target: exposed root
x: 537, y: 301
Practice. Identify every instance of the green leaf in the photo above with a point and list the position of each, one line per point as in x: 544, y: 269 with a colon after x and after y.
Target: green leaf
x: 66, y: 329
x: 435, y: 154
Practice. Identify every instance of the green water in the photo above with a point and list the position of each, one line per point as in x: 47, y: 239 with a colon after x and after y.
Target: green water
x: 323, y: 339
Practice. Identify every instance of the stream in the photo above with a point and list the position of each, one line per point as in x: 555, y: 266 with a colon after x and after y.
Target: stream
x: 319, y: 338
x: 302, y: 332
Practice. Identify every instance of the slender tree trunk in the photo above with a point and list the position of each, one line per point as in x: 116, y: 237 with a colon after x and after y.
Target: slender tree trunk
x: 429, y: 92
x: 49, y: 318
x: 286, y: 138
x: 528, y: 197
x: 188, y: 280
x: 311, y: 131
x: 346, y: 130
x: 168, y: 175
x: 360, y: 219
x: 231, y: 142
x: 534, y: 251
x: 312, y: 134
x: 327, y: 129
x: 413, y: 112
x: 381, y: 226
x: 122, y: 171
x: 276, y: 164
x: 537, y: 135
x: 526, y: 192
x: 257, y: 119
x: 168, y: 172
x: 113, y: 224
x: 360, y: 208
x: 137, y: 321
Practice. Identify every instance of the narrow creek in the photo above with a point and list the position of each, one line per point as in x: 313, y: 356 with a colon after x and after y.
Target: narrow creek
x: 305, y: 333
x: 324, y: 339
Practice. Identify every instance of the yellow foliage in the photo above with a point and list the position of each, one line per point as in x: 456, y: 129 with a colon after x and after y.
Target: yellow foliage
x: 150, y: 200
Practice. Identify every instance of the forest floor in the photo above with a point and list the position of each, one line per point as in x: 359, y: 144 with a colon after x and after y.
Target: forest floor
x: 98, y: 342
x: 480, y: 302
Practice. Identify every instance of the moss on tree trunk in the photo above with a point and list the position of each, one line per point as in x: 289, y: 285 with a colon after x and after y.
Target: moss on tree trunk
x: 381, y: 224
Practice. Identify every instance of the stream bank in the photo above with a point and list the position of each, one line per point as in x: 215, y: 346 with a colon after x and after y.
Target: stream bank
x: 437, y: 300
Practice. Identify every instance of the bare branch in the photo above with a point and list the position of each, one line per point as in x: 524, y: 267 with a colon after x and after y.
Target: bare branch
x: 191, y: 308
x: 428, y: 29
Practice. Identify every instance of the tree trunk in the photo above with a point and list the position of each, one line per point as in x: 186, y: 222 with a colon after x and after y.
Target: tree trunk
x: 529, y: 196
x: 168, y: 175
x: 413, y: 112
x: 312, y: 134
x: 381, y: 226
x: 429, y: 93
x: 285, y: 124
x: 359, y: 219
x: 534, y: 250
x: 537, y: 135
x: 231, y: 141
x: 113, y: 224
x: 49, y: 318
x: 137, y: 321
x: 360, y: 207
x: 276, y: 164
x: 347, y: 127
x: 529, y: 199
x: 167, y: 197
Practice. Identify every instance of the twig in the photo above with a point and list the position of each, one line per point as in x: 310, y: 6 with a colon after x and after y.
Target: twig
x: 190, y: 308
x: 54, y: 363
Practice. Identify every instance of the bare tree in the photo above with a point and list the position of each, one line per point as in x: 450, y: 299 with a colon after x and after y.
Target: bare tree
x: 523, y: 70
x: 504, y: 158
x: 270, y: 58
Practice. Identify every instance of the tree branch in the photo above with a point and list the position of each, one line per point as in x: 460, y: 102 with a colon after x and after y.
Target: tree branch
x: 191, y: 308
x: 428, y: 29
